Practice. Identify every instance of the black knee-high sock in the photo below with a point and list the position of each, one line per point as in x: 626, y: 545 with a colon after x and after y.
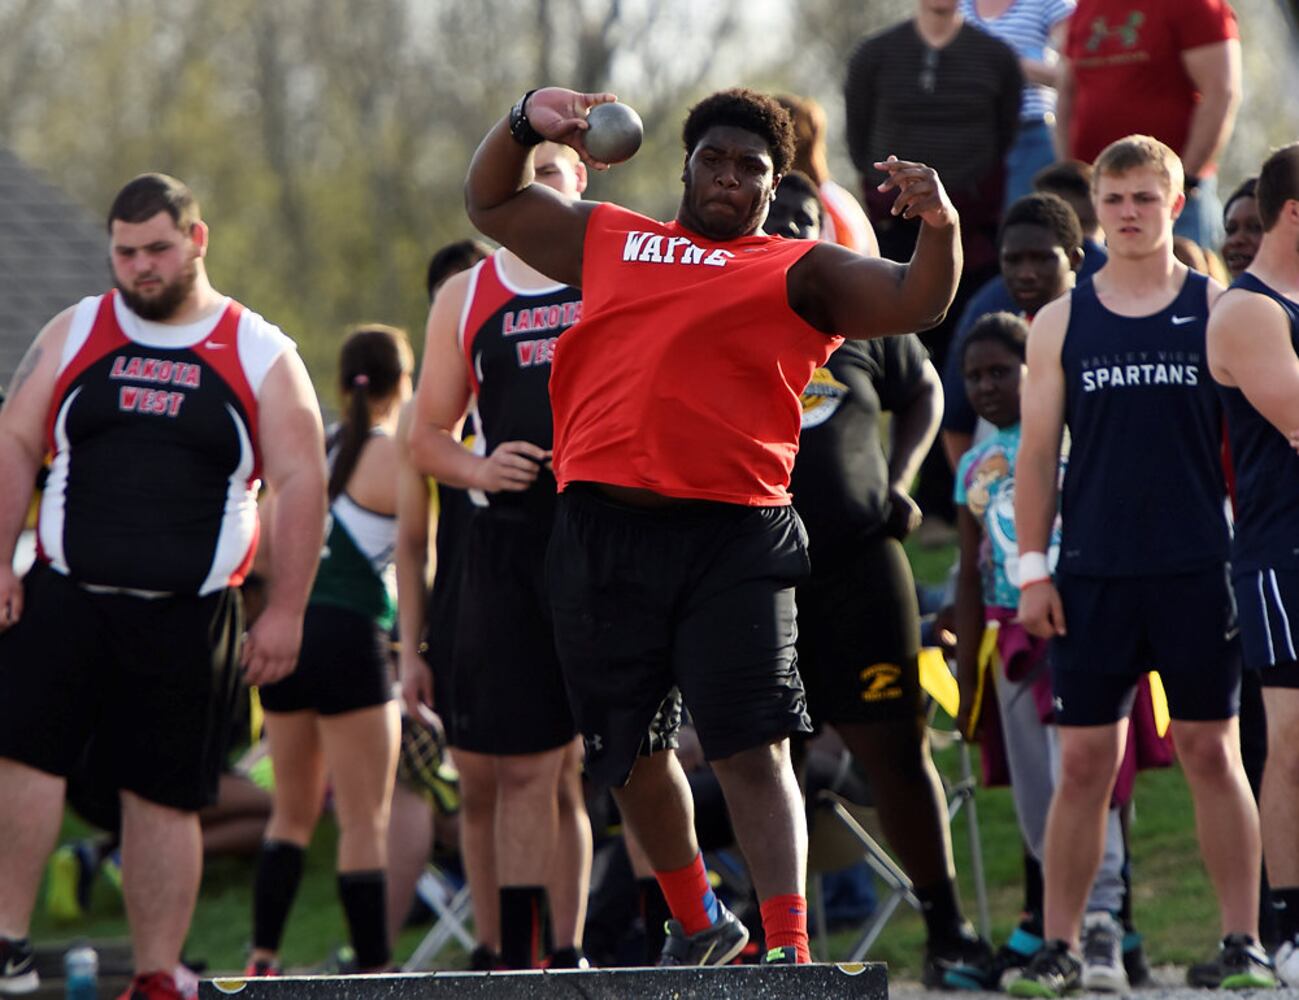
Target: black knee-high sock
x: 523, y: 908
x: 941, y: 912
x: 1034, y: 890
x: 279, y: 872
x: 365, y: 904
x: 654, y: 910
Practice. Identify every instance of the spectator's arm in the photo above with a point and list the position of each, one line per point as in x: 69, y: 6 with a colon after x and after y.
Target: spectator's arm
x: 1063, y: 110
x: 956, y: 444
x: 911, y: 431
x: 1036, y: 468
x: 914, y: 427
x: 1215, y: 71
x: 1046, y: 71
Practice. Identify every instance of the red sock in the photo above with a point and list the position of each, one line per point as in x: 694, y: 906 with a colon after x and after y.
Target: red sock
x: 689, y: 896
x: 784, y: 922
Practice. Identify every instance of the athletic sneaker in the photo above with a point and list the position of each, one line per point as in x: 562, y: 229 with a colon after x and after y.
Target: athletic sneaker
x: 1287, y: 962
x: 965, y: 963
x: 153, y: 986
x: 72, y: 875
x: 1024, y: 942
x: 1102, y: 954
x: 1054, y: 971
x: 1241, y: 964
x: 714, y: 945
x: 787, y: 955
x: 17, y: 966
x: 484, y: 959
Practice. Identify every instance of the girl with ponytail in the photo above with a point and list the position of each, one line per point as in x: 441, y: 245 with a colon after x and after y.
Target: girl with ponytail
x: 334, y: 721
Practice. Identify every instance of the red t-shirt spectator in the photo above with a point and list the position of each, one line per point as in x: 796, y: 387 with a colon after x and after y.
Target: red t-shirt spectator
x: 1126, y: 62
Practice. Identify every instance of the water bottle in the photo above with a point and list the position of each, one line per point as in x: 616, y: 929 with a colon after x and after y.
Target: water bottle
x: 81, y: 973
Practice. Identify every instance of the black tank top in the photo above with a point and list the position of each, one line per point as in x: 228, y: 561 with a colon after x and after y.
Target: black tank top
x: 508, y: 336
x: 1267, y: 468
x: 1143, y: 490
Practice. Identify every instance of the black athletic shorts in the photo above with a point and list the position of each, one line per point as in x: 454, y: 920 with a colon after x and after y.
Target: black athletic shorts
x: 697, y: 597
x: 1268, y: 604
x: 859, y: 635
x: 151, y: 680
x: 507, y: 693
x: 1118, y: 628
x: 345, y: 665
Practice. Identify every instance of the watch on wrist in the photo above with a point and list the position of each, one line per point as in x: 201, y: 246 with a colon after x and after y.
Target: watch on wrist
x: 520, y: 128
x: 1189, y: 184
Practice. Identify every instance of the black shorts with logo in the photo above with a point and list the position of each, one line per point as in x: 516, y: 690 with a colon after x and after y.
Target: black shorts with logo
x: 1118, y: 628
x: 697, y: 597
x: 151, y: 680
x: 859, y: 634
x: 506, y: 690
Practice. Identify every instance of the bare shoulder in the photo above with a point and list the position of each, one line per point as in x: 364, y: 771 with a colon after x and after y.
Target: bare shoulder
x: 44, y: 353
x: 448, y: 303
x: 373, y: 482
x: 1051, y: 321
x: 1239, y: 309
x: 1214, y: 291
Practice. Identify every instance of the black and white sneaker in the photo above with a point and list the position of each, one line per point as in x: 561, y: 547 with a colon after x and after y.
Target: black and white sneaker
x: 17, y: 967
x: 714, y: 945
x: 1053, y: 972
x: 1240, y: 964
x: 1102, y: 954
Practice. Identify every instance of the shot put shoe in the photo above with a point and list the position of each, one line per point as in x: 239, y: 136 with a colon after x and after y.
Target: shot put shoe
x: 17, y: 967
x: 1241, y: 964
x: 715, y: 945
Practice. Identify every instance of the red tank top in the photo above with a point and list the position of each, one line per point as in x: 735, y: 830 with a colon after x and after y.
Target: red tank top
x: 684, y: 374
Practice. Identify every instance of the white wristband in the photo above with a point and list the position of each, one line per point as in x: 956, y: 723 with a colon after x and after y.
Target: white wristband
x: 1032, y: 568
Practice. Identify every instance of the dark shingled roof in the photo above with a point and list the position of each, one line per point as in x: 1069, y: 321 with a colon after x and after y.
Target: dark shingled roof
x: 52, y: 254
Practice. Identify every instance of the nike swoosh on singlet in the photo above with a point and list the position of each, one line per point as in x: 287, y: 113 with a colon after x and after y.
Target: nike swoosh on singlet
x: 1180, y: 320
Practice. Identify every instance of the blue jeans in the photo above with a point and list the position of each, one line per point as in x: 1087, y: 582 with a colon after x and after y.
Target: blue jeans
x: 1201, y: 219
x: 1033, y: 150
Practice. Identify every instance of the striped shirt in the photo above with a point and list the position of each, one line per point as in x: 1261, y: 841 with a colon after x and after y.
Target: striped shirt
x: 1026, y: 27
x: 955, y: 108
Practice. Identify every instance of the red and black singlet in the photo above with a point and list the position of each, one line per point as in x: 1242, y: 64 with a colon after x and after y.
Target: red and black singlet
x: 508, y: 336
x: 153, y: 436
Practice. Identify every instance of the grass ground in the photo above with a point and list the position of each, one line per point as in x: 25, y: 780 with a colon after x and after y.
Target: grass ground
x: 1173, y: 905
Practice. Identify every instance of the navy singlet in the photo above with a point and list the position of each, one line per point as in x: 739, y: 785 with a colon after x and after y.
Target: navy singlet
x: 1143, y: 491
x: 1267, y: 468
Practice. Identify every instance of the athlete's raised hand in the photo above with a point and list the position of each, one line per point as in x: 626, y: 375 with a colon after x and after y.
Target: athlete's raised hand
x: 511, y: 467
x: 1040, y: 610
x: 11, y: 597
x: 271, y: 646
x: 920, y: 192
x: 560, y: 115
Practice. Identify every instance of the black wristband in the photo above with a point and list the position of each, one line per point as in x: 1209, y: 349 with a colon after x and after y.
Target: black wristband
x: 1190, y: 183
x: 520, y: 128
